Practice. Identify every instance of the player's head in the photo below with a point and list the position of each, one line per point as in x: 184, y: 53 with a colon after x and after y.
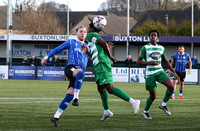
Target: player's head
x: 91, y: 28
x: 81, y: 32
x: 153, y: 35
x: 194, y: 56
x: 181, y: 49
x: 33, y: 57
x: 97, y: 24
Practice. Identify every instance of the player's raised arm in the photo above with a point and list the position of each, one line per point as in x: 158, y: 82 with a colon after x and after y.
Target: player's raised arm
x: 190, y: 68
x: 58, y: 49
x: 106, y: 48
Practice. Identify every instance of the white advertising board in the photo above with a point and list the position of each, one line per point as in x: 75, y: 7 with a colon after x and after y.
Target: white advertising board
x: 39, y: 37
x: 137, y: 75
x: 192, y: 77
x: 3, y: 72
x: 120, y: 74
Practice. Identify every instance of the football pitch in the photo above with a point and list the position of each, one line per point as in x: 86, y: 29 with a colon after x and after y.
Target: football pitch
x: 29, y: 105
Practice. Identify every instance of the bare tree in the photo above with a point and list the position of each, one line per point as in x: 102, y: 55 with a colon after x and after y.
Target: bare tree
x: 38, y: 21
x: 136, y: 5
x: 114, y: 5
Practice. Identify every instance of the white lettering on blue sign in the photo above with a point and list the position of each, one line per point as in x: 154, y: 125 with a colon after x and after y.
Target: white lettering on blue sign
x: 49, y: 37
x: 132, y: 38
x: 25, y: 72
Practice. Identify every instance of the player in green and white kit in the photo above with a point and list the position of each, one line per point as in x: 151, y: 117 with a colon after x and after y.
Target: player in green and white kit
x: 153, y: 53
x: 100, y: 53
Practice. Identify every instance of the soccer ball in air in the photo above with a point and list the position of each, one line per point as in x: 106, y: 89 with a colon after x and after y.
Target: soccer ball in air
x: 99, y: 22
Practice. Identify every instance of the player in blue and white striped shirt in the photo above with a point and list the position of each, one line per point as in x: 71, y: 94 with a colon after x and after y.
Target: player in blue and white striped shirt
x: 180, y: 59
x: 75, y: 69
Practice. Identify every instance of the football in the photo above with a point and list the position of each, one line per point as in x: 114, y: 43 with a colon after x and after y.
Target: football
x: 99, y: 22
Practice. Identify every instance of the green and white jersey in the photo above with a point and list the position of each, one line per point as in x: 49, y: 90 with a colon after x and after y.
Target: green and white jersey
x: 97, y: 51
x: 152, y: 53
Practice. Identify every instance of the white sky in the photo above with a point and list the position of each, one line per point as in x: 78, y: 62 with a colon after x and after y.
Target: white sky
x: 74, y: 5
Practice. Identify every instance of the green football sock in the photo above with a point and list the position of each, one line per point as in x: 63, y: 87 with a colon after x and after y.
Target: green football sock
x: 148, y: 104
x: 104, y: 99
x: 167, y: 95
x: 118, y: 92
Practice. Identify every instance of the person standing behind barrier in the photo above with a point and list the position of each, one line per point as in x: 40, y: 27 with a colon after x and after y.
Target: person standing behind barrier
x: 56, y: 60
x: 128, y: 60
x: 194, y: 60
x: 180, y: 59
x: 33, y: 61
x: 25, y: 61
x: 75, y: 70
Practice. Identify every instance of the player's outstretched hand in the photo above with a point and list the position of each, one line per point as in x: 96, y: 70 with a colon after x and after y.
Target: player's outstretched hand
x: 114, y: 59
x: 43, y: 62
x: 84, y: 48
x: 110, y: 46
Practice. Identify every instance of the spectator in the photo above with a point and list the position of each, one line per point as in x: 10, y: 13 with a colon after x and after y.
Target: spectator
x: 56, y: 60
x: 128, y: 60
x: 25, y: 61
x: 194, y: 60
x: 33, y: 61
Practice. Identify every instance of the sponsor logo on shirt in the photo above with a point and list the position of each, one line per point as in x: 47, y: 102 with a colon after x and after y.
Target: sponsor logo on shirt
x: 155, y: 55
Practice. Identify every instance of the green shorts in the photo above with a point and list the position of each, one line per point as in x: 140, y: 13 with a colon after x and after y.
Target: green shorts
x: 103, y: 74
x: 151, y: 80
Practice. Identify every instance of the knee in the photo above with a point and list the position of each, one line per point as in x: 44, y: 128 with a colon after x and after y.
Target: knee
x: 153, y: 97
x: 81, y: 74
x: 171, y: 87
x: 101, y: 90
x: 110, y: 91
x: 70, y: 91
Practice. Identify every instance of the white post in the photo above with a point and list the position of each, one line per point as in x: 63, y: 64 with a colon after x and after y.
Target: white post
x: 192, y: 26
x: 68, y: 18
x: 9, y: 31
x: 192, y: 18
x: 127, y: 43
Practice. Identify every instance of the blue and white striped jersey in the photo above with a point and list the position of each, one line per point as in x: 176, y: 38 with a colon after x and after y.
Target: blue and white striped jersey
x: 76, y: 56
x: 181, y: 61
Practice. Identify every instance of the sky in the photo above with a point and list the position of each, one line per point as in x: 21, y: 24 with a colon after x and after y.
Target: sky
x: 75, y: 5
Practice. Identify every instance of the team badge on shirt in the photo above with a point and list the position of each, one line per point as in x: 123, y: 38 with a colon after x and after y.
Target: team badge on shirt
x: 155, y: 55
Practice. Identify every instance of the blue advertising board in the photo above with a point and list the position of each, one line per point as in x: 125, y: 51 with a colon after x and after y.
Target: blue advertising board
x: 22, y: 72
x: 50, y: 73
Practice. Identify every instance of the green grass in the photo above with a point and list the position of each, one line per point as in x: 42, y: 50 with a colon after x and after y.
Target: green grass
x: 28, y: 105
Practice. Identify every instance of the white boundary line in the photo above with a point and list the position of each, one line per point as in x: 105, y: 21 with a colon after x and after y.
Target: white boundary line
x: 14, y: 98
x: 43, y: 100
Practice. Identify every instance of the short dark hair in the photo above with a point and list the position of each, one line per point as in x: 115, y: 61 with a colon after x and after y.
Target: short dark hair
x: 154, y: 31
x: 181, y: 46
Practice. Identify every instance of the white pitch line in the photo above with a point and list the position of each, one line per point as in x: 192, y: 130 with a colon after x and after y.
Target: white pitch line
x: 14, y: 98
x: 41, y: 100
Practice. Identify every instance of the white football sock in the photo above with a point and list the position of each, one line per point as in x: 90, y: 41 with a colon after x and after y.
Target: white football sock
x: 132, y: 101
x: 106, y: 111
x: 76, y: 93
x: 58, y: 113
x: 163, y: 103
